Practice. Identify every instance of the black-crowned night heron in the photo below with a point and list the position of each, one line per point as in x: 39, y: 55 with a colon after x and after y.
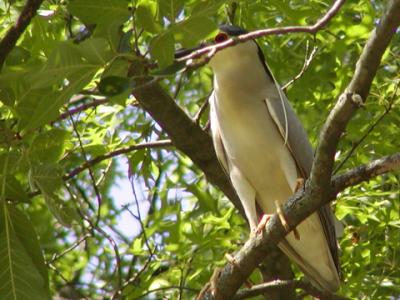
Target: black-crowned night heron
x: 264, y: 150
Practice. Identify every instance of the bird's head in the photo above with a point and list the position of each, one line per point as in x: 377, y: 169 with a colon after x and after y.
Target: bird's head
x: 230, y: 56
x: 234, y: 55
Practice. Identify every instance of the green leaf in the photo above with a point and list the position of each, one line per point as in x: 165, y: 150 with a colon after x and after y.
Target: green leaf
x: 48, y: 180
x: 192, y: 30
x: 170, y: 8
x: 49, y: 146
x: 145, y: 14
x: 46, y: 177
x: 96, y: 51
x: 39, y: 109
x: 13, y: 189
x: 162, y: 48
x: 17, y: 56
x: 208, y: 7
x: 206, y: 202
x: 61, y: 210
x: 113, y: 85
x: 23, y: 272
x: 66, y: 62
x: 100, y: 11
x: 175, y: 68
x: 112, y: 32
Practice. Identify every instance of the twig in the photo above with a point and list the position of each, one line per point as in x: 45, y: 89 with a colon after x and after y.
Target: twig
x: 307, y: 62
x: 312, y: 29
x: 13, y: 34
x: 69, y: 249
x: 96, y: 189
x: 100, y: 158
x: 370, y: 129
x: 165, y: 289
x: 200, y: 112
x: 81, y: 108
x: 179, y: 85
x: 366, y: 172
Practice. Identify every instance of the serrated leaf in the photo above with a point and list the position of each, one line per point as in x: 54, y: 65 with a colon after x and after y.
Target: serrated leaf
x: 162, y: 48
x: 46, y: 177
x: 65, y: 62
x: 100, y: 11
x: 60, y: 210
x: 23, y: 273
x: 39, y: 108
x: 206, y: 202
x: 48, y: 146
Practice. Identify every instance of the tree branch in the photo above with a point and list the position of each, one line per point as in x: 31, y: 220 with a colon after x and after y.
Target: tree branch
x: 354, y: 96
x: 284, y: 284
x: 186, y: 135
x: 317, y: 192
x: 256, y: 248
x: 312, y: 29
x: 100, y: 158
x: 366, y: 172
x: 13, y: 34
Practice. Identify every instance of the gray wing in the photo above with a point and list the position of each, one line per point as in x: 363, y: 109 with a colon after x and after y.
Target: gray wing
x: 297, y: 142
x: 216, y: 137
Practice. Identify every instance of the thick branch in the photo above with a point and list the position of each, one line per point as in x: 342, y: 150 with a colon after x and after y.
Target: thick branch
x: 13, y: 34
x: 255, y: 249
x: 317, y: 192
x: 360, y: 84
x: 186, y: 135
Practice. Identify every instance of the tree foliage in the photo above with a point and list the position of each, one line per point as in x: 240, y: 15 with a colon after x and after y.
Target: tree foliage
x: 72, y: 129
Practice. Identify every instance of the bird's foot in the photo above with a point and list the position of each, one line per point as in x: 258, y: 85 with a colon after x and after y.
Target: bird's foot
x: 299, y: 184
x: 284, y: 222
x: 261, y: 225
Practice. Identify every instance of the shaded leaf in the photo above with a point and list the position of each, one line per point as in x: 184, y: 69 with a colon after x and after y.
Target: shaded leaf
x: 23, y: 274
x: 113, y: 85
x: 48, y: 147
x: 100, y: 11
x: 162, y: 48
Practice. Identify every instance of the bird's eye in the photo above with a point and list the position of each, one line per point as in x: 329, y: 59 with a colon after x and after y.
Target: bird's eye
x: 221, y: 37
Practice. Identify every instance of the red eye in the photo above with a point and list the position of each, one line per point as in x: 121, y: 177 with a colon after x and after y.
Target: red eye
x: 221, y: 37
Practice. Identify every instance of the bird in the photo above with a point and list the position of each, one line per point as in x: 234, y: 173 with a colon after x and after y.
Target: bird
x: 264, y: 150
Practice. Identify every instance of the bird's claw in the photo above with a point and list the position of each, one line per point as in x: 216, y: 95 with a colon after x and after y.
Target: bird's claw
x: 284, y: 222
x: 299, y: 184
x: 261, y: 225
